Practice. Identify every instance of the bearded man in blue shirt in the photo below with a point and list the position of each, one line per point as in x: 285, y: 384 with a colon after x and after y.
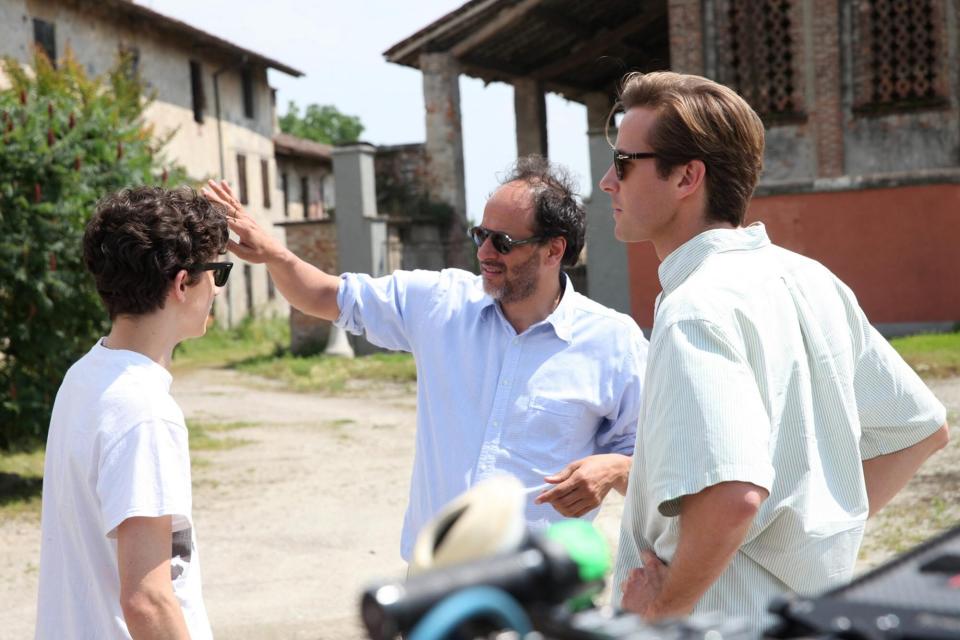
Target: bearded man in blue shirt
x: 516, y: 371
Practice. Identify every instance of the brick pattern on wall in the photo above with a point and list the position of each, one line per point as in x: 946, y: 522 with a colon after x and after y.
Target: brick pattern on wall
x: 686, y: 36
x: 900, y: 62
x: 315, y: 242
x: 757, y: 45
x: 826, y: 109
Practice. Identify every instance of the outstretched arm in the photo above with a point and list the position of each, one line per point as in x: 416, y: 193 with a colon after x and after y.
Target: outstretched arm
x: 886, y: 475
x: 306, y: 287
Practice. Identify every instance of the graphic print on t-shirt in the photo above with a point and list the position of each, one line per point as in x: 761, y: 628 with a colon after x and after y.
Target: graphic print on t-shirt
x: 181, y: 553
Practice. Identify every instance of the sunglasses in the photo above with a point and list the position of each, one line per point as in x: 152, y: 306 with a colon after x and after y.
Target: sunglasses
x: 501, y: 241
x: 620, y: 158
x: 221, y: 271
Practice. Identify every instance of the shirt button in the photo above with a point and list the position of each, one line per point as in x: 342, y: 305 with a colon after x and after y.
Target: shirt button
x: 496, y: 423
x: 505, y: 382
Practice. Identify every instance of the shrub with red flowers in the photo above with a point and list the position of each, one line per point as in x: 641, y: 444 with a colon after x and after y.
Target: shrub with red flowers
x: 65, y: 141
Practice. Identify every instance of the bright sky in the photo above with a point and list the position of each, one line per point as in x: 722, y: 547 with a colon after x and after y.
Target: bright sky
x: 339, y: 45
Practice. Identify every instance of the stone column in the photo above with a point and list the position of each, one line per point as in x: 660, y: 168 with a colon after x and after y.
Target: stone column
x: 685, y: 19
x: 361, y: 233
x: 444, y: 148
x: 530, y: 107
x: 608, y: 281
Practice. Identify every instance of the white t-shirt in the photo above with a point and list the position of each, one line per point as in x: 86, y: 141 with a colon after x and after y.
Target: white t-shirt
x: 117, y: 448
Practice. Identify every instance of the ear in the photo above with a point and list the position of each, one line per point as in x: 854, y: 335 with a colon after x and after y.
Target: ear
x: 692, y: 176
x: 556, y: 247
x: 179, y: 286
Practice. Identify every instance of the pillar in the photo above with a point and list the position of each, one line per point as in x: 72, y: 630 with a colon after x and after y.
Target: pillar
x: 608, y: 281
x: 444, y: 148
x: 530, y: 107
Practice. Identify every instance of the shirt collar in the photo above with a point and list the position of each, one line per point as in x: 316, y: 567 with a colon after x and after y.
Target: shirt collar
x: 563, y: 316
x: 686, y: 258
x: 561, y: 319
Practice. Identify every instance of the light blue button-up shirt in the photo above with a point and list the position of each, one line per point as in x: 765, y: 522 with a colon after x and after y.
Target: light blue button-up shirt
x: 490, y: 400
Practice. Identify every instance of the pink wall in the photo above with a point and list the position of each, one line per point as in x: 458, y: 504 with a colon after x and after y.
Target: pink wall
x: 897, y: 248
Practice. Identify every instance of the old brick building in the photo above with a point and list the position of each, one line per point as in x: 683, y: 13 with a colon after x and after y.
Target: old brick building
x: 861, y: 100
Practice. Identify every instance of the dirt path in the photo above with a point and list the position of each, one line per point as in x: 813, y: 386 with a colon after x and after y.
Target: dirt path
x: 295, y: 522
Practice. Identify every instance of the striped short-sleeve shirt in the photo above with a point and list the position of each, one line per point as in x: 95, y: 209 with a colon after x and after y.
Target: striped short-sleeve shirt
x: 763, y: 369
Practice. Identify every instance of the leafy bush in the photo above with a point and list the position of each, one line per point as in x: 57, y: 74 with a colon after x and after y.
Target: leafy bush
x: 65, y: 141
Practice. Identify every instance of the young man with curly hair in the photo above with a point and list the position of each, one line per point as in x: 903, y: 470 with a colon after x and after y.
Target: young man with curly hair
x: 118, y: 554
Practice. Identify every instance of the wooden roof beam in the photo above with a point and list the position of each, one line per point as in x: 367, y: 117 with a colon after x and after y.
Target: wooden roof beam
x: 597, y: 45
x: 563, y: 22
x: 502, y: 20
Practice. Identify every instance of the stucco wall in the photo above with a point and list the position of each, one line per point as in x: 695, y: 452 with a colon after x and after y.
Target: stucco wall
x: 95, y: 38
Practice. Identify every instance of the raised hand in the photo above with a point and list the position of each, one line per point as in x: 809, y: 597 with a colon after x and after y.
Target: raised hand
x: 253, y: 244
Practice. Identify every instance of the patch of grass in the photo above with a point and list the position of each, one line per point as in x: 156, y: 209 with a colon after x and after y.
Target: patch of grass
x: 933, y: 355
x: 21, y: 482
x: 225, y: 347
x: 202, y: 436
x: 334, y: 375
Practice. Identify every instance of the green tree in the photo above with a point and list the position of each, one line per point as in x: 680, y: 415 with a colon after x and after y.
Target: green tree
x: 65, y: 141
x: 321, y: 123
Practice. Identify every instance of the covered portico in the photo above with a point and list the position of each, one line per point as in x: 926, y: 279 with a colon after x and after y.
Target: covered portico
x: 575, y: 49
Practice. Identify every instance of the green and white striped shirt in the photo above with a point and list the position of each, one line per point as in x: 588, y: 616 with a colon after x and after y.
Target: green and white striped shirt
x: 763, y: 369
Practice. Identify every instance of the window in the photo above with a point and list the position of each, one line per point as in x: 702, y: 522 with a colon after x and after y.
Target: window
x: 305, y: 195
x: 132, y: 54
x: 242, y: 178
x: 284, y: 186
x: 196, y: 91
x: 265, y: 182
x: 248, y: 286
x: 901, y: 61
x: 246, y: 78
x: 757, y: 43
x: 44, y: 37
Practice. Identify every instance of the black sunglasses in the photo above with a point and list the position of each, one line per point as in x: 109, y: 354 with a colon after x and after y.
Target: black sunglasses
x: 221, y: 271
x: 620, y: 158
x: 501, y: 241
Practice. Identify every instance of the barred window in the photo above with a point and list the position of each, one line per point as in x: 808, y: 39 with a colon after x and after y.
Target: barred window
x: 900, y: 58
x: 756, y: 42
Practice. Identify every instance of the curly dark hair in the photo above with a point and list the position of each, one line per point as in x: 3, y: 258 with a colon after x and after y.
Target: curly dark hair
x: 558, y: 211
x: 138, y: 239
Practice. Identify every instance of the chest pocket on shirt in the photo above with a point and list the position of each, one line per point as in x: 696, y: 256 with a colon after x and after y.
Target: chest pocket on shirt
x: 545, y: 430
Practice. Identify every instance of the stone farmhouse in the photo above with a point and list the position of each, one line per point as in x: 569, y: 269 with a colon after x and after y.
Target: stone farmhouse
x: 212, y: 94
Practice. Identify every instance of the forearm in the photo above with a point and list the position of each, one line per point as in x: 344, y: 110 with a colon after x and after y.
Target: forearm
x: 886, y: 475
x: 305, y: 287
x: 713, y: 526
x: 620, y: 469
x: 154, y: 615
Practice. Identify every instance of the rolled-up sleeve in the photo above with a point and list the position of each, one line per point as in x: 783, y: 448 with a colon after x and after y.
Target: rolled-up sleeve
x: 618, y: 434
x: 384, y: 309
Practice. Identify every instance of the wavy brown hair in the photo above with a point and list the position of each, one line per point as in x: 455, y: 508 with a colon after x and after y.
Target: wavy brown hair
x: 558, y: 212
x: 699, y: 119
x: 138, y: 239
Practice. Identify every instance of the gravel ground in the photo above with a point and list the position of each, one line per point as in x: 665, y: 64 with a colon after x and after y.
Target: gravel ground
x: 293, y: 523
